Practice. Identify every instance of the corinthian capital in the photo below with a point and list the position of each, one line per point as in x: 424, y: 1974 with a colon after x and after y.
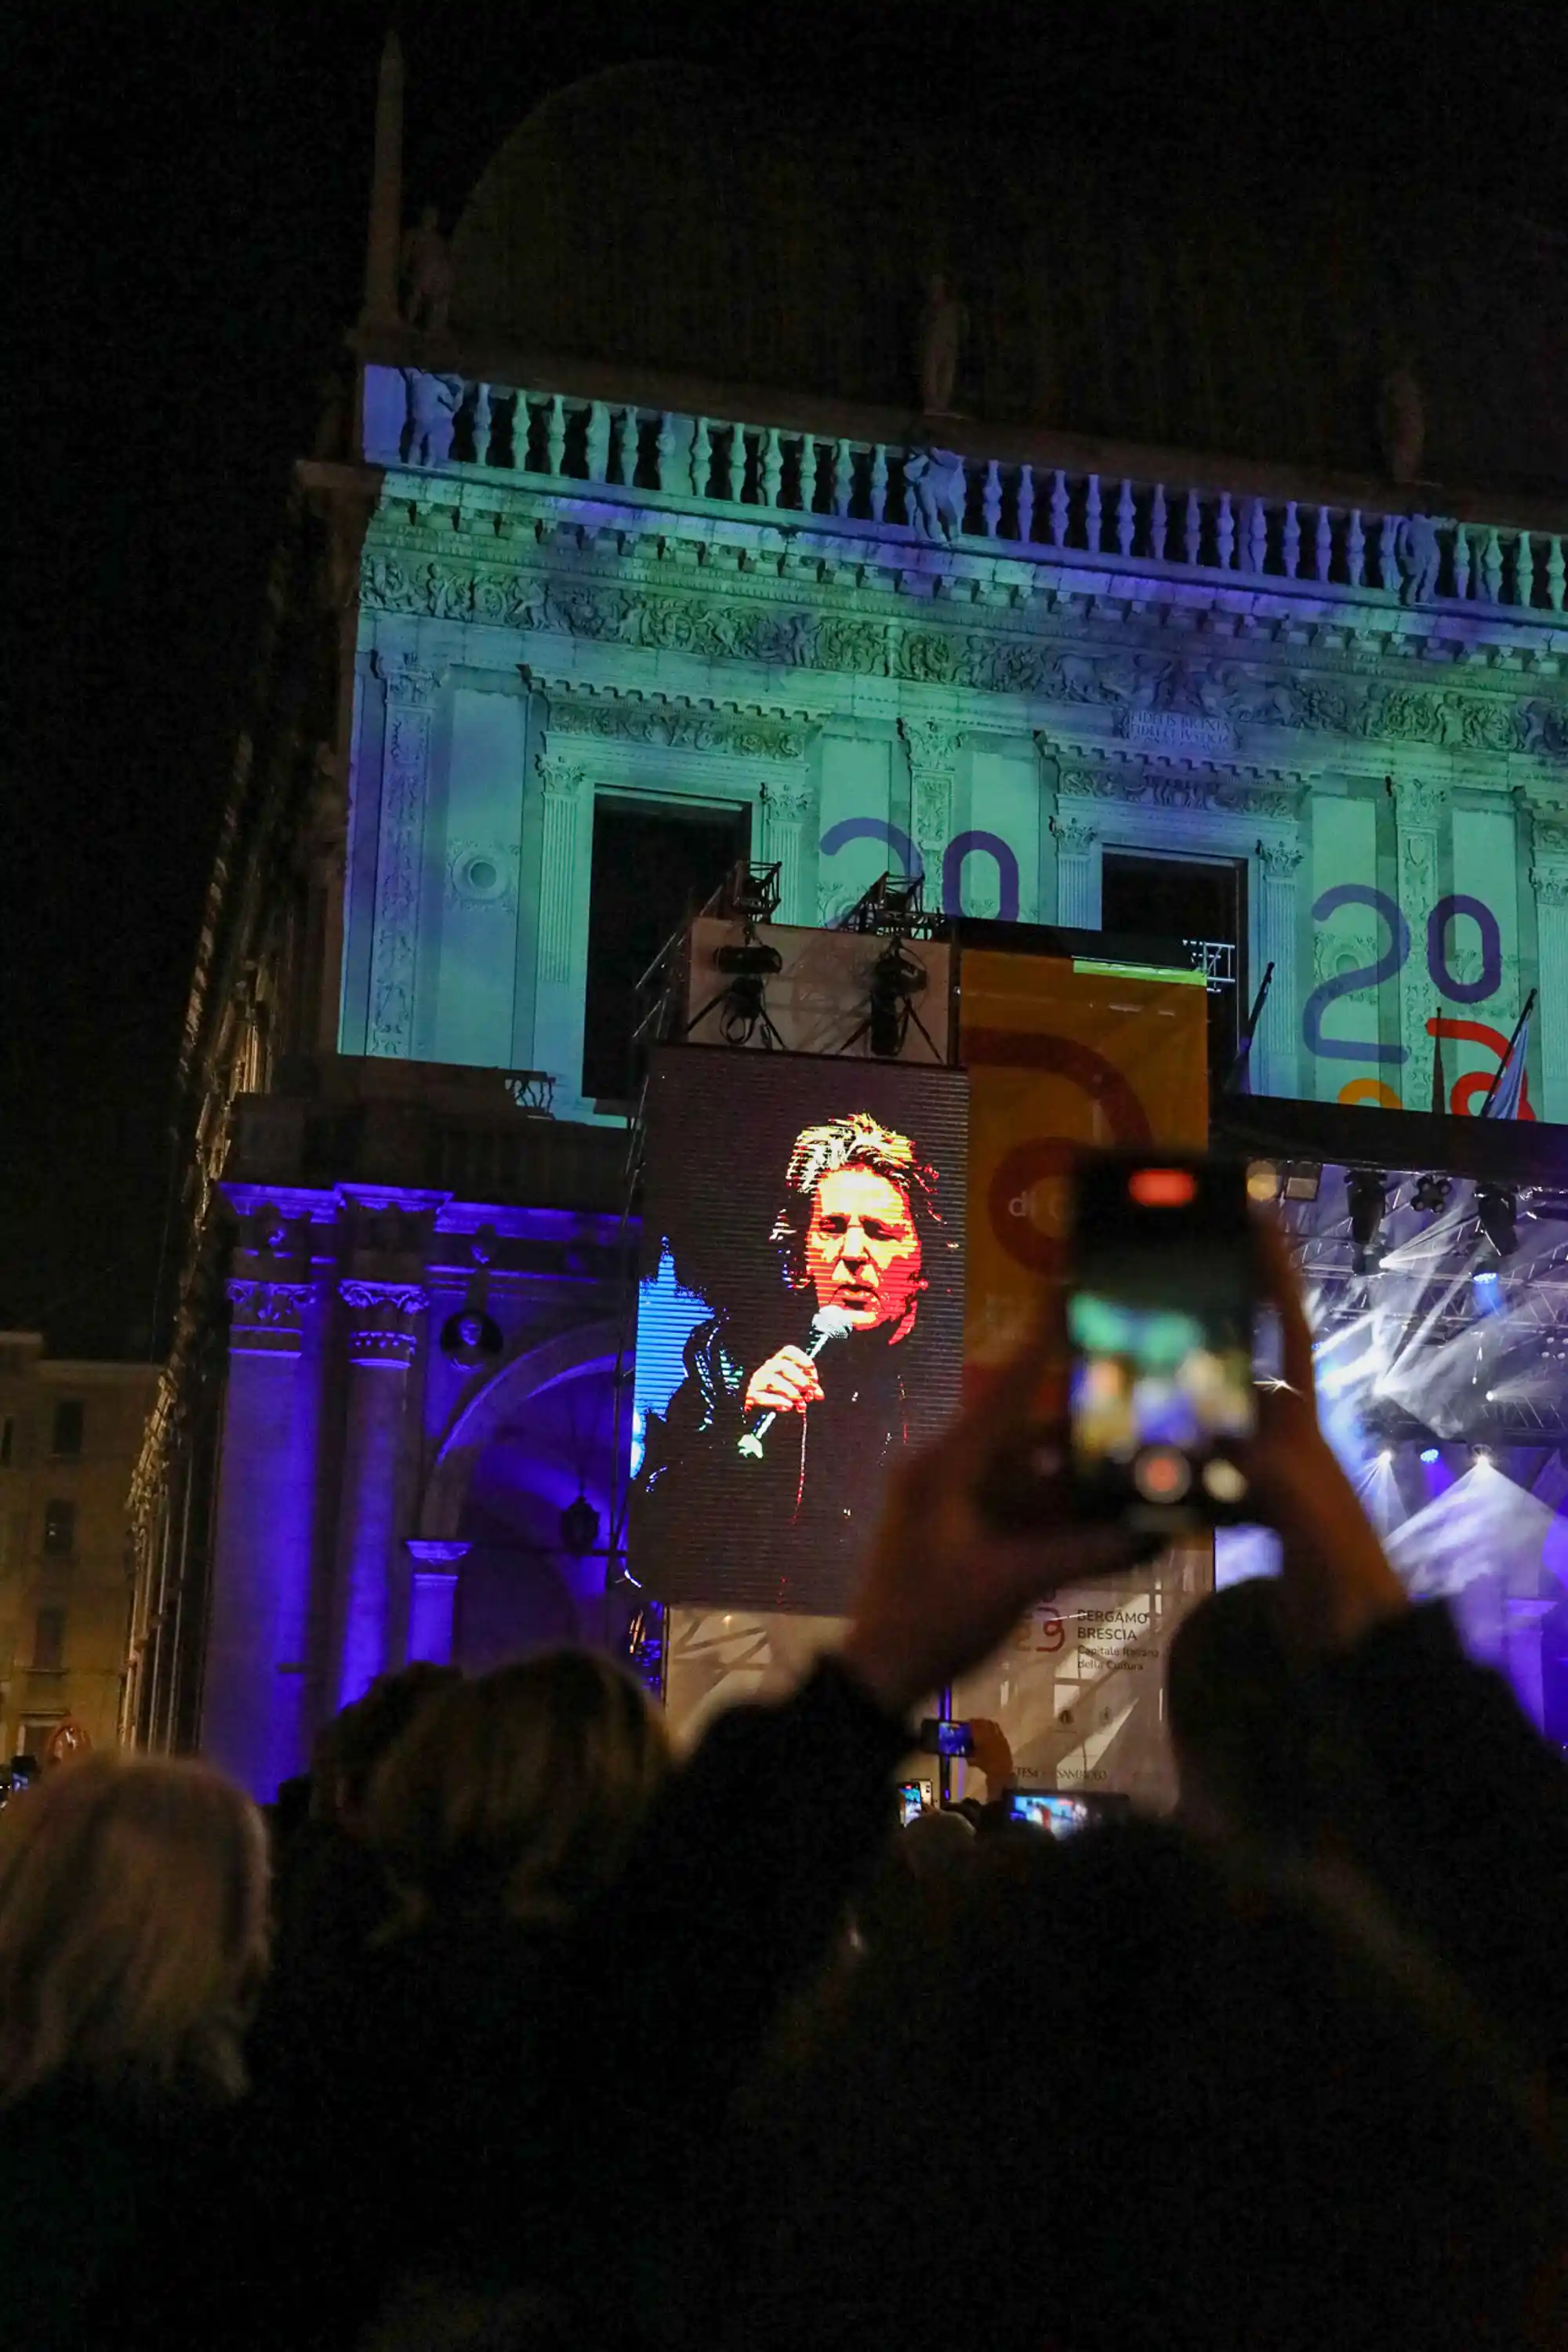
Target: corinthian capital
x: 1281, y: 860
x: 1419, y: 802
x: 561, y: 779
x: 383, y: 1321
x: 406, y: 683
x: 268, y: 1317
x: 1076, y: 836
x: 932, y: 744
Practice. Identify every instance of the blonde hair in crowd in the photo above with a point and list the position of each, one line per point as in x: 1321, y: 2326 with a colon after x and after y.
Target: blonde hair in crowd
x: 133, y: 1927
x: 523, y: 1789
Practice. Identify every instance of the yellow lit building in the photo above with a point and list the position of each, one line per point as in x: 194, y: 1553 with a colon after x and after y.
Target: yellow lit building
x: 70, y: 1434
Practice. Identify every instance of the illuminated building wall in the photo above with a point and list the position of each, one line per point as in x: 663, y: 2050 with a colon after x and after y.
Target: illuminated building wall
x: 1356, y: 715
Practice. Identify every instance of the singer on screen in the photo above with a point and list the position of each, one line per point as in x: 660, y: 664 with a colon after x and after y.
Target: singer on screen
x: 796, y: 1405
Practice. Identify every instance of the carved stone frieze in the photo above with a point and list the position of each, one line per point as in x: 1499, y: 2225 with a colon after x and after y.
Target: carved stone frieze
x: 677, y: 728
x: 1179, y: 789
x: 1549, y: 884
x: 1159, y: 700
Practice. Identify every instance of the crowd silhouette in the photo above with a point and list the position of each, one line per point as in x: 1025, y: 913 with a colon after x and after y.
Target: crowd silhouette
x: 507, y: 2030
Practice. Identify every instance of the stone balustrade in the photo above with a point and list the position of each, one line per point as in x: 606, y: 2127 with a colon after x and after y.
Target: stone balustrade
x: 418, y: 419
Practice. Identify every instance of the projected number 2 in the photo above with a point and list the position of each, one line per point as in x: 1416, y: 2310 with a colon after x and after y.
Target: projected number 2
x: 1392, y: 959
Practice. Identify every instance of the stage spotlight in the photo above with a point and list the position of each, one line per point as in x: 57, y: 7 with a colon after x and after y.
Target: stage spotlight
x: 748, y: 969
x: 580, y: 1527
x: 1498, y: 1217
x: 1385, y: 1454
x: 1262, y: 1180
x: 1302, y: 1179
x: 896, y: 978
x: 1429, y: 1455
x: 1368, y: 1197
x: 1431, y: 1195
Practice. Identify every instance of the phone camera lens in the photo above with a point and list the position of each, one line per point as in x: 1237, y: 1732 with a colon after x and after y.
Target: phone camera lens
x: 1162, y: 1475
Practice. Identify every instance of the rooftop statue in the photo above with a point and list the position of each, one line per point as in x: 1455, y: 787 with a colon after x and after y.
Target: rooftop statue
x: 942, y: 324
x: 1419, y: 553
x: 934, y: 493
x: 428, y: 274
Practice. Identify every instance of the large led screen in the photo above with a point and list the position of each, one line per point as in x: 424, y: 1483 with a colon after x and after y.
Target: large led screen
x: 800, y: 1319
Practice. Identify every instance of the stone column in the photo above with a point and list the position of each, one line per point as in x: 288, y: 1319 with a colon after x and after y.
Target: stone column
x: 1273, y: 1065
x: 933, y: 757
x: 561, y: 782
x: 1077, y: 870
x: 1548, y: 880
x: 400, y: 855
x: 254, y: 1692
x: 383, y: 1336
x: 786, y: 808
x: 1420, y: 809
x: 432, y: 1596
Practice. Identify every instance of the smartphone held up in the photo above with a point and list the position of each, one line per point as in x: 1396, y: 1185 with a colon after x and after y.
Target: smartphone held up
x: 1160, y: 1313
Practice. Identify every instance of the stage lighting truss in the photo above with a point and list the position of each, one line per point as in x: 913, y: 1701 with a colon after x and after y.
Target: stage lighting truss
x: 751, y: 895
x: 893, y: 908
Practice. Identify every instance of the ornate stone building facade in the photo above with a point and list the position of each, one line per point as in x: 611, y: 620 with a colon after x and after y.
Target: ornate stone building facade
x: 536, y: 599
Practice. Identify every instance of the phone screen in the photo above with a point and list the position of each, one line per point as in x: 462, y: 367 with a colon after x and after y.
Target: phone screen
x: 1159, y: 1318
x: 911, y: 1804
x: 1062, y: 1817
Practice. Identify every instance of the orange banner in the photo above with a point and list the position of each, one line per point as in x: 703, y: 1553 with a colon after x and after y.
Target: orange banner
x: 1059, y: 1057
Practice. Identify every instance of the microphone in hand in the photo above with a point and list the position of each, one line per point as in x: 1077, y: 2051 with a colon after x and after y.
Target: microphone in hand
x: 828, y: 1324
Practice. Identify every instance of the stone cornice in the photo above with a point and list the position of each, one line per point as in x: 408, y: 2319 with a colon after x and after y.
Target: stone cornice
x: 1195, y: 697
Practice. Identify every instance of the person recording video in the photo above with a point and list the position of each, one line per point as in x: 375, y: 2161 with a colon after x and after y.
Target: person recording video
x: 793, y: 1402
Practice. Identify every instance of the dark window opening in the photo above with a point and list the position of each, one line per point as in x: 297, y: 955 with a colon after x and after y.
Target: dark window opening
x: 7, y: 1440
x: 1202, y: 901
x: 70, y: 1420
x: 49, y: 1641
x: 59, y: 1529
x: 654, y: 865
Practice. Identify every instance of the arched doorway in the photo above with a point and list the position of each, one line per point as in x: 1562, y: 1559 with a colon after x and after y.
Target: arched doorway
x: 520, y: 1453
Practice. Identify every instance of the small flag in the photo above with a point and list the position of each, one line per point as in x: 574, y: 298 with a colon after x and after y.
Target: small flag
x: 1507, y: 1090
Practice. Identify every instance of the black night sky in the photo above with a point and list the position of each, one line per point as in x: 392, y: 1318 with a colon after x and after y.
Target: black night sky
x: 185, y: 202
